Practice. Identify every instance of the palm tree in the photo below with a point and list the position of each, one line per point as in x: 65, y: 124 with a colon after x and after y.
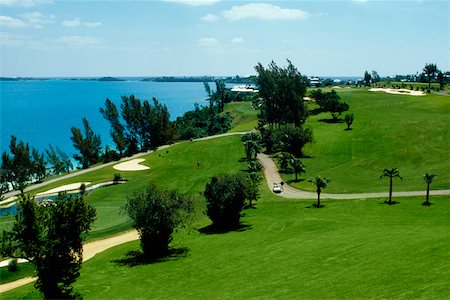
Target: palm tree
x: 428, y: 179
x: 391, y: 173
x: 297, y: 166
x: 430, y: 70
x: 320, y: 184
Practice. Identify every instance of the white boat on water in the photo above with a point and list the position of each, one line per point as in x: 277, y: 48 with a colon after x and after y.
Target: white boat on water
x: 244, y: 89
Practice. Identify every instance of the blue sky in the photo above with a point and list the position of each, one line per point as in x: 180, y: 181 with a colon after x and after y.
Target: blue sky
x: 153, y: 38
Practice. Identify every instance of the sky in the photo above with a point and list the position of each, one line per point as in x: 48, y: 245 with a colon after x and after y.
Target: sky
x: 49, y: 38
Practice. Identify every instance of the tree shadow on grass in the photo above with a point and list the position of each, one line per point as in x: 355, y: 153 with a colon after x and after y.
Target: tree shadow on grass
x: 331, y: 121
x: 136, y: 258
x: 295, y: 180
x: 348, y: 129
x: 315, y: 111
x: 393, y: 202
x: 427, y: 203
x: 211, y: 229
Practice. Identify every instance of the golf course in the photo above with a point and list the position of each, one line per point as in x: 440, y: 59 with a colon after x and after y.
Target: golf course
x: 286, y: 248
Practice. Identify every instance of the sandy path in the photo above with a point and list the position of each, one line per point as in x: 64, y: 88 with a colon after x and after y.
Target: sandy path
x: 273, y: 176
x: 89, y: 250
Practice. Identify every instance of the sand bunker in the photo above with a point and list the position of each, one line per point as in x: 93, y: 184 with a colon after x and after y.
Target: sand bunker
x: 64, y: 188
x: 131, y: 165
x: 398, y: 91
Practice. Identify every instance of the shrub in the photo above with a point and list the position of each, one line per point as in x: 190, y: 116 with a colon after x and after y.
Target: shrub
x: 13, y: 265
x: 225, y: 198
x: 156, y: 213
x: 117, y: 178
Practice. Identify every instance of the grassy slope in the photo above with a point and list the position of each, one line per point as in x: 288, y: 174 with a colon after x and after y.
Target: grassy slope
x: 407, y: 132
x: 244, y: 116
x: 349, y: 249
x: 174, y: 167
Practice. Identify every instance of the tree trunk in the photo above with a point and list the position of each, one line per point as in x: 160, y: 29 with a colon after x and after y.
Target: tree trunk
x: 428, y: 194
x: 390, y: 191
x: 318, y: 198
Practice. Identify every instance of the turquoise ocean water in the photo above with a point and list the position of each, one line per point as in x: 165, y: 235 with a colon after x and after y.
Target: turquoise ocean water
x: 42, y: 112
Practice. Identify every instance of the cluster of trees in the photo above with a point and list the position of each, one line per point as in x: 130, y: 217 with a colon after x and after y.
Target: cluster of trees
x: 141, y: 125
x: 283, y: 110
x: 204, y: 121
x: 430, y: 73
x: 24, y: 164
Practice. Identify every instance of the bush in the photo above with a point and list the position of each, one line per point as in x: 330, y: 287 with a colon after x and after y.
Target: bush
x: 225, y: 198
x: 13, y: 265
x: 117, y: 178
x: 156, y: 213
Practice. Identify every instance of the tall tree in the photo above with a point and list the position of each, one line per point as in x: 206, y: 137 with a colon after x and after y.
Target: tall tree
x: 156, y: 213
x: 441, y: 80
x: 39, y: 166
x: 282, y: 90
x: 375, y: 76
x: 17, y: 167
x: 320, y: 183
x: 367, y: 78
x: 58, y: 160
x: 89, y: 145
x: 430, y: 70
x: 50, y: 238
x: 391, y: 173
x: 111, y: 114
x: 428, y: 177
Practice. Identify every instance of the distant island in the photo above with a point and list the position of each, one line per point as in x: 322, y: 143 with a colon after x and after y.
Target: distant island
x: 21, y: 78
x: 236, y: 79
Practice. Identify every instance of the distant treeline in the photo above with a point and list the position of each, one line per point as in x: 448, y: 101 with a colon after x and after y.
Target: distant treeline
x: 236, y: 79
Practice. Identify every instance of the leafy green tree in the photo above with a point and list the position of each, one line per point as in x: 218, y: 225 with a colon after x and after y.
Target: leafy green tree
x: 282, y: 91
x: 348, y: 119
x: 430, y: 70
x: 225, y: 198
x: 117, y: 132
x: 252, y: 190
x: 89, y: 145
x: 298, y: 167
x: 428, y: 177
x: 51, y: 238
x: 156, y: 213
x: 391, y: 173
x: 254, y: 166
x: 367, y: 78
x: 292, y: 139
x: 18, y: 167
x: 320, y: 183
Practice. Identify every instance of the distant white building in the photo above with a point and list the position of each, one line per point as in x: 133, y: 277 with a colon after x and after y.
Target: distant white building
x: 244, y: 89
x: 314, y: 81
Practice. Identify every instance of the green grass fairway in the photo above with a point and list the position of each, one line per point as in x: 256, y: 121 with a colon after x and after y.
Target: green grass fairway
x: 407, y: 132
x: 350, y: 249
x: 244, y: 116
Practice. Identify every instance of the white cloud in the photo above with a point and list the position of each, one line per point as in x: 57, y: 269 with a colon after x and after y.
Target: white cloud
x: 264, y: 11
x: 210, y: 18
x: 208, y: 42
x: 92, y: 24
x: 7, y: 39
x: 77, y: 22
x: 6, y: 21
x: 24, y: 3
x: 79, y: 41
x: 237, y: 40
x: 37, y: 19
x: 71, y: 23
x: 194, y: 2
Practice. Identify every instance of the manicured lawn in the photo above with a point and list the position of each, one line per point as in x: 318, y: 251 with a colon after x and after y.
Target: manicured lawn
x: 244, y: 116
x: 349, y: 249
x: 23, y: 270
x: 410, y: 133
